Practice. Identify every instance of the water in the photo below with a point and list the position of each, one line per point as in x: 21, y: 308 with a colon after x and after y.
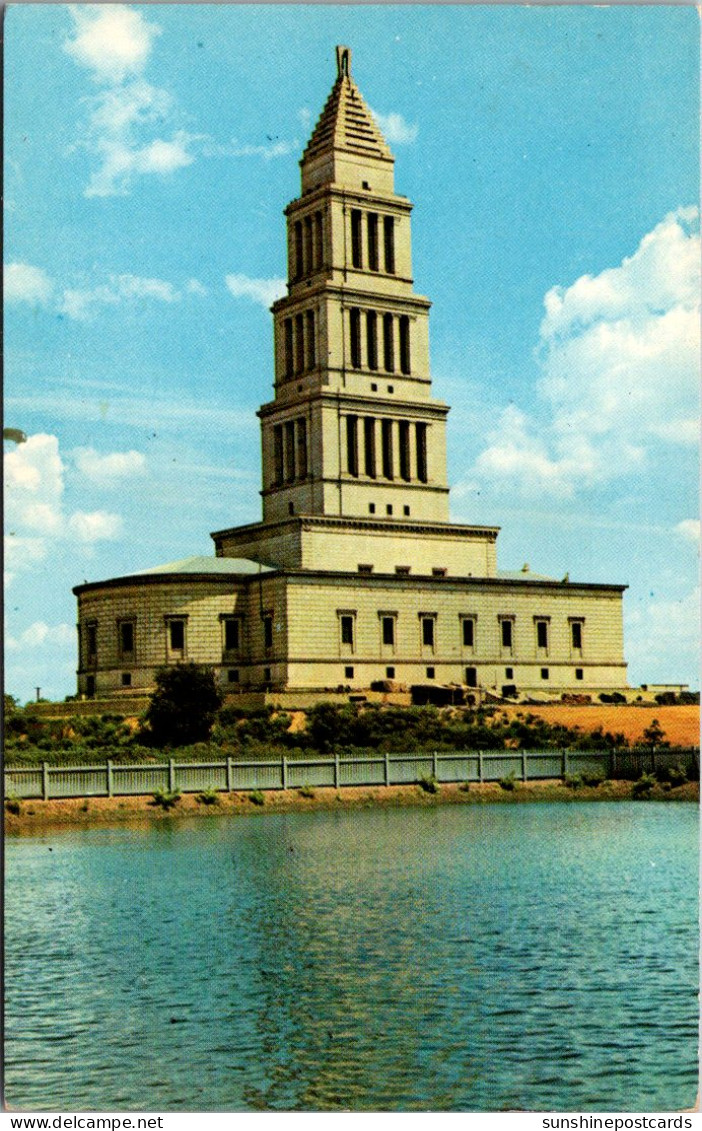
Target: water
x: 475, y: 958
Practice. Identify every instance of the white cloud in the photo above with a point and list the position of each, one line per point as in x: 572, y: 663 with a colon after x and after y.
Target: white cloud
x: 663, y: 638
x: 95, y: 525
x: 110, y: 468
x: 113, y: 41
x: 237, y: 149
x: 81, y: 302
x: 24, y: 283
x: 262, y: 291
x: 35, y: 513
x: 619, y: 357
x: 39, y: 633
x: 395, y: 129
x: 689, y: 529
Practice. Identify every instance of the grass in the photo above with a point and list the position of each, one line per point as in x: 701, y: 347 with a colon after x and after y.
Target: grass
x: 208, y: 797
x: 573, y: 781
x: 429, y: 784
x: 508, y: 783
x: 257, y: 798
x: 306, y: 791
x: 13, y: 804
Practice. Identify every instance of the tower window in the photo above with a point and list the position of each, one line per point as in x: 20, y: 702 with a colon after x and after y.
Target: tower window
x: 542, y: 634
x: 231, y: 634
x: 404, y: 438
x: 369, y: 445
x: 268, y: 632
x: 509, y: 673
x: 576, y: 635
x: 389, y: 673
x: 578, y: 673
x: 356, y: 238
x: 319, y: 239
x: 468, y: 628
x: 428, y: 632
x: 302, y: 448
x: 431, y: 673
x: 355, y: 318
x: 126, y: 679
x: 373, y: 241
x: 404, y: 344
x: 126, y: 637
x: 386, y: 434
x: 348, y: 673
x: 544, y: 673
x: 406, y: 510
x: 278, y: 453
x: 389, y: 241
x: 176, y: 635
x: 289, y: 353
x: 346, y: 630
x: 388, y: 631
x: 91, y: 642
x: 311, y: 343
x: 290, y: 451
x: 298, y: 249
x: 308, y: 244
x: 388, y: 344
x: 371, y: 508
x: 506, y: 633
x: 299, y: 344
x: 372, y: 339
x: 352, y: 445
x: 388, y: 508
x: 421, y: 433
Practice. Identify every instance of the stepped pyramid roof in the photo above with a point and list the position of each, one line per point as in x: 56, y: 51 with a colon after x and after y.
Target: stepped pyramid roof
x: 346, y: 122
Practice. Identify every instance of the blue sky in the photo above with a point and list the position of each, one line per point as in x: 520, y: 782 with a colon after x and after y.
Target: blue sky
x: 551, y: 154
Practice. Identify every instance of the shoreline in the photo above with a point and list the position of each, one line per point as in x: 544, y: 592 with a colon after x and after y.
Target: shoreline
x: 37, y: 815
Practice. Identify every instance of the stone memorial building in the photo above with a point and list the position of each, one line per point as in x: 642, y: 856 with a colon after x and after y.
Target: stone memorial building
x: 355, y: 573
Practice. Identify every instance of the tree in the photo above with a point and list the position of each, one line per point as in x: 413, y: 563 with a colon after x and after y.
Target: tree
x: 183, y: 707
x: 654, y: 735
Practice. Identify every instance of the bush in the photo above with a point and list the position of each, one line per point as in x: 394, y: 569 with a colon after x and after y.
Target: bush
x: 573, y: 781
x: 306, y: 791
x: 465, y: 787
x: 184, y: 705
x: 592, y: 777
x: 13, y: 804
x: 642, y: 788
x: 508, y: 782
x: 165, y: 798
x: 208, y: 797
x: 429, y: 784
x: 257, y: 798
x: 654, y: 736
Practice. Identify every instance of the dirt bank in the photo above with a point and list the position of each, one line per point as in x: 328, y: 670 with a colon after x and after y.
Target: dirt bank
x: 37, y: 815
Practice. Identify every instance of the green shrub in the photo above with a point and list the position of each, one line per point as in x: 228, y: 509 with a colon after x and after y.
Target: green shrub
x: 573, y: 781
x: 13, y: 804
x: 167, y: 799
x: 184, y: 705
x: 508, y: 782
x: 257, y: 798
x: 677, y: 775
x: 306, y: 791
x: 208, y: 797
x: 592, y: 777
x: 429, y: 784
x: 642, y: 788
x: 464, y: 786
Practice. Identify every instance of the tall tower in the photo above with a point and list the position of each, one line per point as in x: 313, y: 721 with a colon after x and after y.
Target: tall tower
x: 353, y: 430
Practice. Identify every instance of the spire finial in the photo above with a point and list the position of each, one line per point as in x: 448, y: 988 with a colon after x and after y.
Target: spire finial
x: 343, y: 62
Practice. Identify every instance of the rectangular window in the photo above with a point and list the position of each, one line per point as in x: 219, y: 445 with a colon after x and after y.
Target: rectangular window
x: 386, y: 434
x: 365, y: 568
x: 346, y: 626
x: 91, y: 642
x: 389, y: 241
x: 319, y: 241
x: 373, y: 241
x: 311, y: 341
x: 471, y: 677
x: 356, y: 238
x: 302, y: 448
x: 348, y: 673
x: 509, y: 673
x: 372, y: 339
x: 298, y: 249
x: 176, y: 635
x: 233, y: 675
x: 289, y: 352
x: 468, y: 632
x: 266, y: 675
x: 404, y: 571
x: 428, y: 632
x: 542, y: 634
x: 369, y: 445
x: 388, y: 627
x: 126, y: 679
x: 231, y: 635
x: 404, y: 439
x: 126, y: 637
x: 268, y: 632
x: 308, y: 244
x: 431, y: 674
x: 388, y: 344
x: 290, y: 450
x: 421, y: 433
x: 278, y: 453
x: 405, y: 344
x: 299, y: 344
x: 355, y: 321
x: 389, y: 673
x: 506, y: 631
x: 352, y: 445
x: 576, y: 635
x: 438, y: 571
x: 544, y: 673
x: 578, y: 673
